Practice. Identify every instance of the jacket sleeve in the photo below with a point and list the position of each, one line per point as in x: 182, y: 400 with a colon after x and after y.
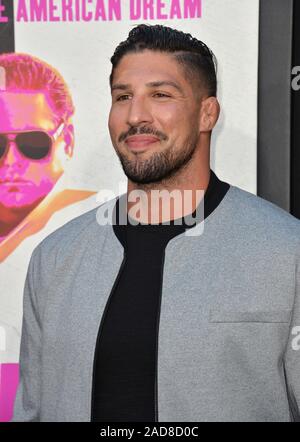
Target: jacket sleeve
x: 27, y: 402
x: 292, y: 354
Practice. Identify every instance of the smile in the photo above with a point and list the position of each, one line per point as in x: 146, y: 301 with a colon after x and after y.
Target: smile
x: 137, y: 142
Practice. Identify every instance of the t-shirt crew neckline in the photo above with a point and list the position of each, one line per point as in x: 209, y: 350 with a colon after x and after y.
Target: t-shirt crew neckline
x: 215, y: 192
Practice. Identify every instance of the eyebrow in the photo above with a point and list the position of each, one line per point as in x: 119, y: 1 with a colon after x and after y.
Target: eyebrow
x: 120, y: 86
x: 164, y: 83
x: 123, y: 87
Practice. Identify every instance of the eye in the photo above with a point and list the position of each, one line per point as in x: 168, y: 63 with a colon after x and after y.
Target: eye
x: 161, y: 95
x: 123, y: 97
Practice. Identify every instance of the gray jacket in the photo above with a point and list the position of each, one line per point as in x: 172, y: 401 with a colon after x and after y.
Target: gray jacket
x: 229, y: 327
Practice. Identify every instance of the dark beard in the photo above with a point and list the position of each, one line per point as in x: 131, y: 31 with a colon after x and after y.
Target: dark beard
x: 160, y: 167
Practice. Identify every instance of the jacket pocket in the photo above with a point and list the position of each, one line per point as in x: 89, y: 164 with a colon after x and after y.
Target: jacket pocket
x: 223, y: 315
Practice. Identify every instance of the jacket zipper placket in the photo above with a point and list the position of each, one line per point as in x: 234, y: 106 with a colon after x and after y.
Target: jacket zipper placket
x: 100, y: 331
x: 157, y: 333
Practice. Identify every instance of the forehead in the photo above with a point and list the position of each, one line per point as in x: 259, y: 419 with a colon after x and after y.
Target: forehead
x: 24, y: 110
x: 148, y: 66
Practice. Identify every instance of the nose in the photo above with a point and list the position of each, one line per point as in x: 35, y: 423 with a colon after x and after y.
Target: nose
x: 139, y: 112
x: 12, y: 155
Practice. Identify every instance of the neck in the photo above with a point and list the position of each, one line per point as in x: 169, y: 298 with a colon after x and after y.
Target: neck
x: 173, y: 198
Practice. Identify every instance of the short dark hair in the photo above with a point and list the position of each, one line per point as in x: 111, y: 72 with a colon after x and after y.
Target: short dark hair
x: 197, y: 59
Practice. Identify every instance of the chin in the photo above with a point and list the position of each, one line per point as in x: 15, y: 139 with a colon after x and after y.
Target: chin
x: 21, y: 202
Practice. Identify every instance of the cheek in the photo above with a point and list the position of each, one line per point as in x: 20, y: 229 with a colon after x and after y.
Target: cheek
x: 172, y: 117
x: 116, y: 121
x: 45, y: 173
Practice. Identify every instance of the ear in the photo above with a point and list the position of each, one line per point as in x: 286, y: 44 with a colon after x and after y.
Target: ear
x: 68, y: 134
x: 209, y: 114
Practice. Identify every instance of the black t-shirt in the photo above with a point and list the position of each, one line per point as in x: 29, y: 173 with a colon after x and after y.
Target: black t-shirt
x: 124, y: 381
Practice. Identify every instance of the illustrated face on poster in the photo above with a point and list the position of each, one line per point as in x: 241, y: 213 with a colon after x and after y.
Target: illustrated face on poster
x: 36, y: 137
x: 31, y: 158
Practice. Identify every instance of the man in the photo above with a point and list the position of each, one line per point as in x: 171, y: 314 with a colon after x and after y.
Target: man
x: 151, y: 319
x: 36, y: 143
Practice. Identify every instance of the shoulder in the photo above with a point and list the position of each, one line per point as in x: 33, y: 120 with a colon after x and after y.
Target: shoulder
x: 58, y: 256
x: 261, y: 220
x: 76, y: 234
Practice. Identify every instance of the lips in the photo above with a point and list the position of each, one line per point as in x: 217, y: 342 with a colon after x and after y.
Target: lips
x: 141, y: 141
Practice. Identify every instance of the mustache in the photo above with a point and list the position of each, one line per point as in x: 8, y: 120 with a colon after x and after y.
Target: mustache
x: 141, y: 131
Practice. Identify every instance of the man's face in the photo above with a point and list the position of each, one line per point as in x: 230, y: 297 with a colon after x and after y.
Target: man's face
x: 154, y: 117
x: 25, y: 181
